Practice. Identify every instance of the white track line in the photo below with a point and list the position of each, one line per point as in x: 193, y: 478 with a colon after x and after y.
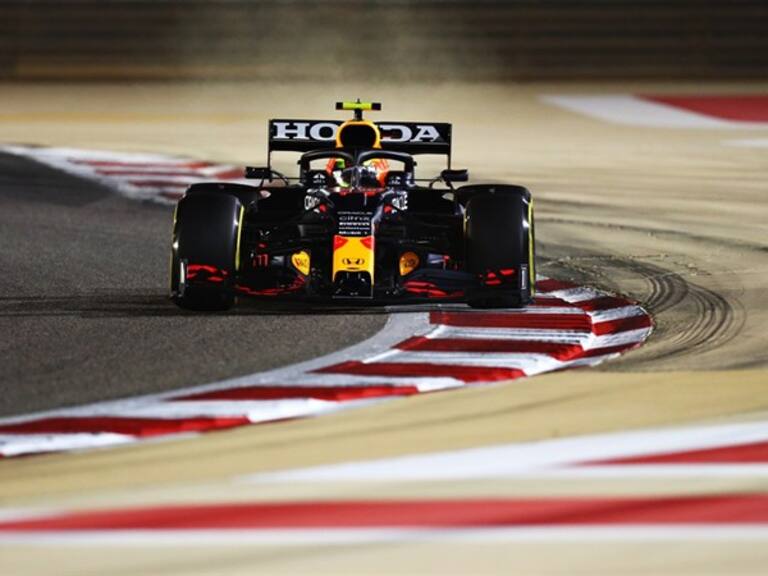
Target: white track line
x: 19, y: 444
x: 748, y: 143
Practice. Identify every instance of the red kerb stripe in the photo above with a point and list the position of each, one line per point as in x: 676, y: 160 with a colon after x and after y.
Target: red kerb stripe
x: 479, y: 512
x: 229, y: 174
x: 622, y: 325
x: 414, y: 369
x: 541, y: 301
x: 592, y: 352
x: 159, y: 183
x: 141, y: 427
x: 333, y: 393
x: 575, y: 322
x: 741, y: 108
x: 602, y: 303
x: 754, y: 453
x: 154, y: 173
x: 558, y: 350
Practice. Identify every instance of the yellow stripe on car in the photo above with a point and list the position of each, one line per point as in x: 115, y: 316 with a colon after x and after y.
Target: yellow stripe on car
x: 531, y: 263
x: 357, y: 105
x: 239, y: 236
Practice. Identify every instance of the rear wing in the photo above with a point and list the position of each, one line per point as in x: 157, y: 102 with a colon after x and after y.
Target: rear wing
x: 409, y: 137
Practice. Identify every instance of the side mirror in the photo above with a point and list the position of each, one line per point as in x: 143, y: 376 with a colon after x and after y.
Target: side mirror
x: 258, y: 173
x: 454, y: 175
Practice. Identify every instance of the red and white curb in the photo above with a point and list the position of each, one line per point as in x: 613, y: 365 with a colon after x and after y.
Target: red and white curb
x: 737, y: 451
x: 157, y: 177
x: 447, y: 347
x: 670, y: 111
x: 443, y: 347
x: 603, y: 519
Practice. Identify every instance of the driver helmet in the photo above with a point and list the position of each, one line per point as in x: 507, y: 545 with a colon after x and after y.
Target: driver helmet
x: 359, y: 134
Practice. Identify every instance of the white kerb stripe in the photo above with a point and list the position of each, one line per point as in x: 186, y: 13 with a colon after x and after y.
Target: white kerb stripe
x: 335, y: 536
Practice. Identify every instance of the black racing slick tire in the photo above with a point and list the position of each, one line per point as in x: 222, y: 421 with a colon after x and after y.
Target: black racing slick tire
x: 499, y: 236
x: 204, y: 252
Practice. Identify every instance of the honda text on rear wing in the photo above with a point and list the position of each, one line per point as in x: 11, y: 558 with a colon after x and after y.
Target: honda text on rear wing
x: 291, y: 135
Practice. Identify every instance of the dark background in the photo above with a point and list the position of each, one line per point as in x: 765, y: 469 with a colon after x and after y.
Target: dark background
x: 406, y: 39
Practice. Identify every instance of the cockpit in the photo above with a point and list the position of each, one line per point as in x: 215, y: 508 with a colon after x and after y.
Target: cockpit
x: 356, y: 169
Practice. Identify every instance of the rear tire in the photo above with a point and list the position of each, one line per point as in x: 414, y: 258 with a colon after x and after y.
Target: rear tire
x: 499, y: 237
x: 205, y: 239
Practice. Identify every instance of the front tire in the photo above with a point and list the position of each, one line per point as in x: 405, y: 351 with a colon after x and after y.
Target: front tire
x: 204, y: 250
x: 499, y: 238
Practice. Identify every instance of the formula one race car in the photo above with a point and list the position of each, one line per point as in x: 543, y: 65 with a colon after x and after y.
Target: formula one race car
x: 355, y: 225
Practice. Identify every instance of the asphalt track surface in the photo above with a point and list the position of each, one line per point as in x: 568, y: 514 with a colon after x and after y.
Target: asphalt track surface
x: 84, y: 303
x: 674, y: 218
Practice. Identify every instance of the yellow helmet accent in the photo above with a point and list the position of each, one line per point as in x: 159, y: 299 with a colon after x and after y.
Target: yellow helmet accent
x: 358, y: 123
